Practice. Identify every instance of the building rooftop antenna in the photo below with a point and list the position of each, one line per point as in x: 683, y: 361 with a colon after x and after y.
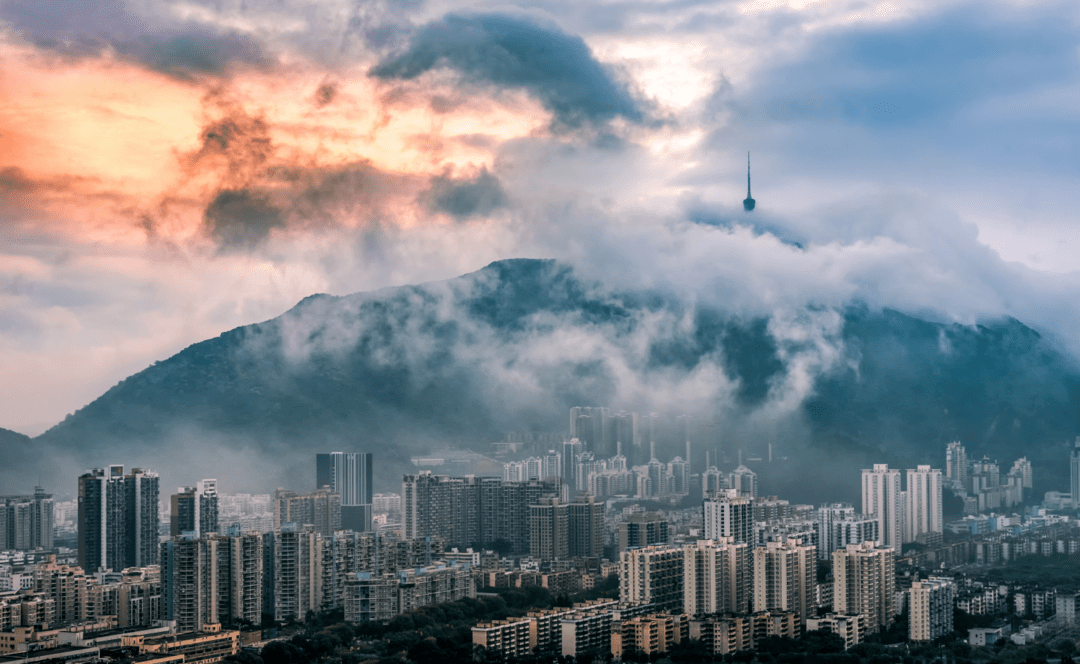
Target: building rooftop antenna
x: 749, y: 203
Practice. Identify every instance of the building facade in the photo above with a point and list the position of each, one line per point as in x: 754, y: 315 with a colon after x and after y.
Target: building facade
x: 652, y: 575
x: 864, y: 583
x: 784, y: 577
x: 923, y: 513
x: 930, y: 609
x: 26, y: 522
x: 194, y: 509
x: 717, y: 577
x: 118, y: 519
x: 348, y: 474
x: 881, y: 499
x: 729, y: 514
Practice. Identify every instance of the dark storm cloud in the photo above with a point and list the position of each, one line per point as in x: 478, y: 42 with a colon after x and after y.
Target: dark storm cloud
x: 177, y: 48
x: 241, y: 220
x: 325, y: 94
x: 518, y: 53
x: 465, y: 197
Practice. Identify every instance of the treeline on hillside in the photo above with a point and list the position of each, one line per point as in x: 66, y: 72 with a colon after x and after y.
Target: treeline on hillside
x: 442, y: 634
x: 1059, y: 571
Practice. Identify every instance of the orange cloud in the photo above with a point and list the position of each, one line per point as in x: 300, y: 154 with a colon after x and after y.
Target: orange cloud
x: 108, y: 149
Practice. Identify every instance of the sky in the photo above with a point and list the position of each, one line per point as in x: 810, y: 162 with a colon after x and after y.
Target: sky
x: 172, y: 170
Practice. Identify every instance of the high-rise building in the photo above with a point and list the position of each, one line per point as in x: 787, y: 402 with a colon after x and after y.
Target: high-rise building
x: 652, y: 575
x: 712, y: 480
x: 118, y: 519
x: 464, y: 511
x: 784, y: 576
x: 66, y: 587
x: 586, y: 526
x: 678, y: 472
x: 923, y: 513
x: 956, y: 465
x: 930, y: 609
x: 194, y: 509
x: 570, y: 451
x: 864, y: 581
x: 1021, y: 470
x: 718, y: 577
x: 26, y: 522
x: 240, y: 567
x: 682, y: 437
x: 549, y: 529
x: 839, y: 525
x: 294, y: 572
x: 594, y: 427
x: 1074, y: 472
x: 640, y: 530
x: 729, y: 514
x: 881, y: 499
x: 648, y: 430
x: 348, y: 474
x: 190, y: 576
x: 320, y: 509
x: 743, y: 480
x: 625, y: 435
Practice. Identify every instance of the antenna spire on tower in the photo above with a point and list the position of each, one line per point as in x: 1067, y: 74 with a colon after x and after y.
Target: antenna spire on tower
x: 749, y: 203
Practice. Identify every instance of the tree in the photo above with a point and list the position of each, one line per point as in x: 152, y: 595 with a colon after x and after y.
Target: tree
x: 282, y: 652
x: 244, y: 657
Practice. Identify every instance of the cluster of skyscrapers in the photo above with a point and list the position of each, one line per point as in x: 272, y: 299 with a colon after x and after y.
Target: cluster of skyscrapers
x: 903, y: 515
x: 606, y: 433
x: 581, y: 472
x: 528, y: 518
x: 980, y: 481
x: 26, y: 522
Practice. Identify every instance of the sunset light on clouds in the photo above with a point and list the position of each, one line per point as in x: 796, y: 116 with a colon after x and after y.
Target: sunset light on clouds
x: 171, y: 170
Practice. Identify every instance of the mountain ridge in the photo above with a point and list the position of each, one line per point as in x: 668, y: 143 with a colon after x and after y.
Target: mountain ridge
x: 402, y: 370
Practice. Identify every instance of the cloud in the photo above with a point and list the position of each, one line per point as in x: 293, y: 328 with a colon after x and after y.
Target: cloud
x: 157, y: 40
x: 308, y: 186
x: 465, y: 197
x: 239, y: 219
x: 516, y: 52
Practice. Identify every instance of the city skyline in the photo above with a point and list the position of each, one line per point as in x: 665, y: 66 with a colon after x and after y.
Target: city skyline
x: 443, y: 332
x: 190, y: 241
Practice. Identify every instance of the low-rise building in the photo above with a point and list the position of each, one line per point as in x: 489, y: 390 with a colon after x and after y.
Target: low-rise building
x: 60, y: 655
x: 586, y: 631
x: 653, y: 633
x: 507, y: 637
x: 850, y: 628
x: 987, y: 636
x: 208, y: 646
x: 723, y: 634
x: 368, y: 597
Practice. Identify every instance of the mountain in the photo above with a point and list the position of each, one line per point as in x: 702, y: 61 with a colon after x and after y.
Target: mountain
x: 511, y: 347
x: 8, y: 437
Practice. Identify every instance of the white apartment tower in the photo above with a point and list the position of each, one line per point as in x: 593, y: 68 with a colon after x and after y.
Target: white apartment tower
x: 881, y: 499
x: 923, y: 513
x: 784, y: 577
x: 956, y: 468
x: 717, y: 577
x: 652, y: 575
x: 1074, y: 472
x: 864, y: 582
x: 839, y: 525
x: 930, y: 605
x: 729, y: 514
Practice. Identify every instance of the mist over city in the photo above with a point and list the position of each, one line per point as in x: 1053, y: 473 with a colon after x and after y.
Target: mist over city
x: 430, y: 330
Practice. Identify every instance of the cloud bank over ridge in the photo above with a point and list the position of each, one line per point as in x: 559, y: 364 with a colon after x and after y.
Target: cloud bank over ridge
x: 173, y: 170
